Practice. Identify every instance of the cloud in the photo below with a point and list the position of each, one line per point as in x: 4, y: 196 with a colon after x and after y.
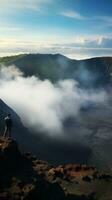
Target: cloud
x: 72, y: 14
x: 107, y: 20
x: 10, y: 28
x: 78, y: 47
x: 42, y: 105
x: 24, y: 4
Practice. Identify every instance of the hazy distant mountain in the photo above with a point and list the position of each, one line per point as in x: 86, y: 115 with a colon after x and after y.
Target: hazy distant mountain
x: 90, y: 72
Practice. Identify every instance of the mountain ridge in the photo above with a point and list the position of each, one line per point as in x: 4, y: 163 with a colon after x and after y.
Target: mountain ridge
x: 50, y: 54
x: 57, y: 67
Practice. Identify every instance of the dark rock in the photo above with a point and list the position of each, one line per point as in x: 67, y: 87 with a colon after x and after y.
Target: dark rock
x: 86, y: 178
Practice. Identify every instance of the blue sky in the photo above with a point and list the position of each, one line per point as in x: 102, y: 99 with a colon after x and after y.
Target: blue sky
x: 76, y: 28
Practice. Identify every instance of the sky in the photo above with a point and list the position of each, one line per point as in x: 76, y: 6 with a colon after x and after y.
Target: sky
x: 78, y: 29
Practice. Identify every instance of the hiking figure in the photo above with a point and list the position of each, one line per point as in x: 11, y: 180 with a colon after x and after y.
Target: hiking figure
x: 8, y: 126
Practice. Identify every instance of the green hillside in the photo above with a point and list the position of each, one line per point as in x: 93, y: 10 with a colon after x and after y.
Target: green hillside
x: 95, y: 71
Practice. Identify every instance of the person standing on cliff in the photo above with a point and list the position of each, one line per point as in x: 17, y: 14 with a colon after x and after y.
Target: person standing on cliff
x: 8, y: 126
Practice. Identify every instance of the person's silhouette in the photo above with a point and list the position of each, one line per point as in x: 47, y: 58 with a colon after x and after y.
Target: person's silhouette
x: 8, y: 126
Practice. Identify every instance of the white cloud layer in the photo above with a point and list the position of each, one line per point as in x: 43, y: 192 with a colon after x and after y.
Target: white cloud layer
x: 78, y: 47
x: 43, y: 105
x: 23, y: 4
x: 72, y: 14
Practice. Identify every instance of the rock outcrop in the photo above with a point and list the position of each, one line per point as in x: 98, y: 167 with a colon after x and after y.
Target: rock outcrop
x: 24, y: 177
x: 18, y: 180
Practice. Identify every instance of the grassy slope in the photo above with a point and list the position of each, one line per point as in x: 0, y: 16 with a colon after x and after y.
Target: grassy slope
x: 8, y: 59
x: 55, y: 67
